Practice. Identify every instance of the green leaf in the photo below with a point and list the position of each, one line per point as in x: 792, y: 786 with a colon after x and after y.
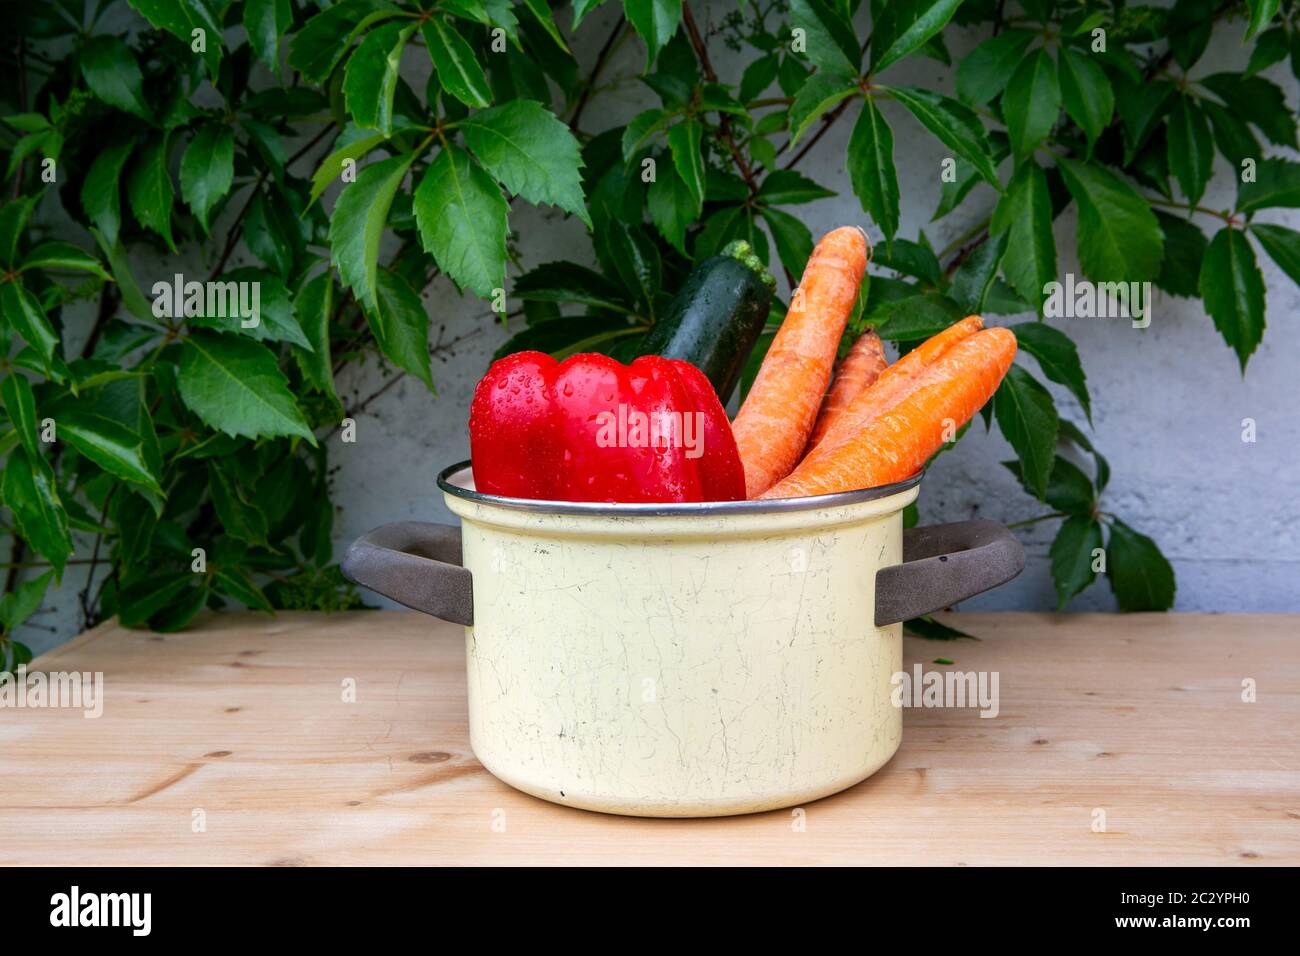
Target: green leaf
x: 271, y: 231
x: 1141, y: 107
x: 914, y: 23
x: 1068, y: 488
x: 1282, y: 245
x: 983, y: 73
x: 324, y: 39
x: 1119, y: 237
x: 266, y: 21
x: 971, y: 282
x: 1180, y: 272
x: 1140, y: 576
x: 563, y: 337
x: 914, y: 317
x: 684, y: 141
x: 370, y: 78
x: 13, y: 220
x: 235, y: 582
x: 910, y: 258
x: 1262, y: 13
x: 239, y: 517
x: 644, y: 125
x: 112, y: 73
x: 20, y: 405
x: 27, y: 318
x: 927, y: 628
x: 569, y: 282
x: 1072, y: 556
x: 21, y: 603
x: 532, y: 153
x: 1191, y: 148
x: 401, y: 327
x: 819, y: 93
x: 956, y: 127
x: 871, y: 168
x: 207, y: 170
x: 1028, y: 421
x: 1276, y: 185
x: 462, y: 218
x: 1024, y: 213
x: 1032, y: 102
x: 794, y: 241
x: 275, y: 319
x: 181, y: 18
x: 110, y: 445
x: 1272, y: 47
x: 314, y: 306
x: 829, y: 40
x: 146, y: 597
x: 1233, y: 290
x: 149, y: 189
x: 1257, y: 101
x: 655, y: 21
x: 1232, y: 135
x: 785, y: 187
x: 28, y: 489
x: 672, y: 206
x: 100, y: 192
x: 458, y: 71
x: 1057, y: 356
x: 758, y: 76
x: 235, y: 385
x: 358, y: 221
x: 1086, y: 93
x: 332, y: 166
x: 62, y: 257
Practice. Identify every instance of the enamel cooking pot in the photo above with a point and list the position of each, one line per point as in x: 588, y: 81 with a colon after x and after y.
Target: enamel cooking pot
x: 682, y: 660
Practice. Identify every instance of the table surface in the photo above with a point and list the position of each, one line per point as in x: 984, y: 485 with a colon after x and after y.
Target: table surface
x: 1120, y: 740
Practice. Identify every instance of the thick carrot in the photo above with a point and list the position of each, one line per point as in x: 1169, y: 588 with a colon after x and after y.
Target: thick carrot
x: 896, y: 381
x: 773, y: 425
x: 859, y: 369
x: 898, y: 442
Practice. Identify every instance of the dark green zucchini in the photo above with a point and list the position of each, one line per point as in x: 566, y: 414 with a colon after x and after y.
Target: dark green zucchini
x: 716, y: 317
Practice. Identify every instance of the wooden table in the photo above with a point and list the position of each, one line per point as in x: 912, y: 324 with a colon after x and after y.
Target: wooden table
x: 232, y: 743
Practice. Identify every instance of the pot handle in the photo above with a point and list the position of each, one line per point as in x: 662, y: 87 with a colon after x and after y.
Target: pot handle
x: 416, y: 564
x: 944, y: 564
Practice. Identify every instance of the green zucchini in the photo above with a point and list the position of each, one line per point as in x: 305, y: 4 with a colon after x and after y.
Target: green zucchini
x: 716, y: 317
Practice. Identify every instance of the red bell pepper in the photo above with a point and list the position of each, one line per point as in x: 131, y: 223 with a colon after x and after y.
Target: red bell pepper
x: 593, y: 429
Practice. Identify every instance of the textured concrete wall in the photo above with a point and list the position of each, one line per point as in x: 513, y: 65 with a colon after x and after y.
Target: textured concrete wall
x: 1168, y: 401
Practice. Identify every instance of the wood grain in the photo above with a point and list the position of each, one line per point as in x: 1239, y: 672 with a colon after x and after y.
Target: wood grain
x: 243, y: 719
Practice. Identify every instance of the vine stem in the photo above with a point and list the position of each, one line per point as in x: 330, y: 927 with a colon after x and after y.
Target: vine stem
x: 724, y: 121
x: 606, y: 51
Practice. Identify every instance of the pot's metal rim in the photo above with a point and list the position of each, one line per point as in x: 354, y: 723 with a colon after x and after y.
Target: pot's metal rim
x: 692, y: 509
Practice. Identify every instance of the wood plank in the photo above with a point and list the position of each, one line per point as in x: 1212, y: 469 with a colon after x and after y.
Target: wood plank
x: 242, y: 719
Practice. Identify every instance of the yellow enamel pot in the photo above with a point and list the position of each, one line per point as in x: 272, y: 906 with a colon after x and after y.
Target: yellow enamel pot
x: 682, y: 660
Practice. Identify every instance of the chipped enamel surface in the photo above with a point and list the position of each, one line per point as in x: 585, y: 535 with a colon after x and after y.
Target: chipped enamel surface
x: 685, y: 665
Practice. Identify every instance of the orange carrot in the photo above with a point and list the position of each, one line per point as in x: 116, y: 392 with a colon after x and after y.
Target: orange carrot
x: 773, y: 425
x: 897, y: 443
x: 859, y: 369
x: 896, y: 381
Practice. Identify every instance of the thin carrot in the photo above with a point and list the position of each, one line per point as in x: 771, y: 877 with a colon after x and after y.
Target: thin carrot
x: 898, y: 442
x: 773, y: 425
x: 859, y: 369
x: 896, y: 381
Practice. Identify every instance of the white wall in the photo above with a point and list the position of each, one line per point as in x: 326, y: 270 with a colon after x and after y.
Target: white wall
x: 1168, y: 401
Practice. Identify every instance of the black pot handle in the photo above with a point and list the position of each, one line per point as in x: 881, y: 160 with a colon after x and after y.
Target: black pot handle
x: 416, y: 564
x: 944, y: 564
